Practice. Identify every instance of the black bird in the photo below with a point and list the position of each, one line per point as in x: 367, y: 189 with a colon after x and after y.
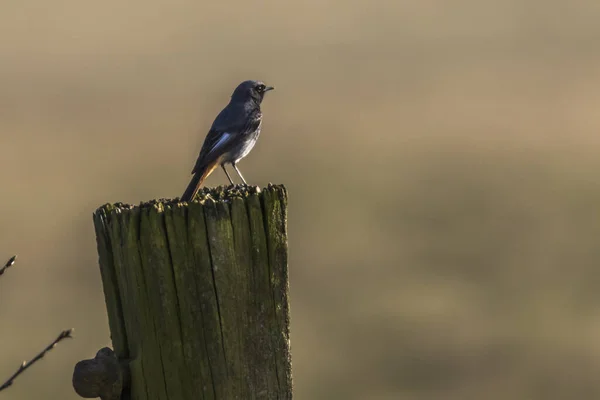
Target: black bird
x: 232, y: 135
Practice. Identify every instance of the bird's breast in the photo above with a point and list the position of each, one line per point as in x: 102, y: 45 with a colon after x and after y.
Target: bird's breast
x: 244, y: 146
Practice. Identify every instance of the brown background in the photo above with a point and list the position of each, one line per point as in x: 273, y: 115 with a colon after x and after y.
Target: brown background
x: 441, y: 158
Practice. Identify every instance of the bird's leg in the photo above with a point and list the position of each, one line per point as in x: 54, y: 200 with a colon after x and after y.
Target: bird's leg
x: 239, y: 173
x: 227, y: 173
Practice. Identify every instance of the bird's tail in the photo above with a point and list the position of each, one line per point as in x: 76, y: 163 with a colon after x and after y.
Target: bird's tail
x: 199, y: 176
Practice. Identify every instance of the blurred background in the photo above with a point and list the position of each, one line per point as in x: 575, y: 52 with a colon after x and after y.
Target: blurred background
x: 441, y: 159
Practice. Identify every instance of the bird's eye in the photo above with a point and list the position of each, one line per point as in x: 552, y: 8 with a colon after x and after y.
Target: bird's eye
x: 260, y: 88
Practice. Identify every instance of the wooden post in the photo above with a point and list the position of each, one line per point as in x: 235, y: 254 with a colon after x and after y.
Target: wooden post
x: 197, y: 294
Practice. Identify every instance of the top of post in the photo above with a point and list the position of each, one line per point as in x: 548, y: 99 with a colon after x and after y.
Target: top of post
x: 219, y: 194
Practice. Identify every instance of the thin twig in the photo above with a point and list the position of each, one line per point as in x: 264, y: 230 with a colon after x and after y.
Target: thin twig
x: 8, y: 264
x: 26, y: 364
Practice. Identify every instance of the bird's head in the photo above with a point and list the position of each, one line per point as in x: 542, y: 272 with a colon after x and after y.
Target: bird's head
x: 250, y: 90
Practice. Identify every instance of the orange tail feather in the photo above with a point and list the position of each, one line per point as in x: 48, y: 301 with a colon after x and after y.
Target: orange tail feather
x: 197, y: 180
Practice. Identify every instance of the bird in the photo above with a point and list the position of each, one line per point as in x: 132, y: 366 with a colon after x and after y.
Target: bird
x: 232, y: 135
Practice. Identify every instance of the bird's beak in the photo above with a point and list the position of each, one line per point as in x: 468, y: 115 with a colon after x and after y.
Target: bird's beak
x: 269, y: 88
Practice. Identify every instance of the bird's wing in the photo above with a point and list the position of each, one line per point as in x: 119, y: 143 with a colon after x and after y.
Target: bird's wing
x: 224, y: 134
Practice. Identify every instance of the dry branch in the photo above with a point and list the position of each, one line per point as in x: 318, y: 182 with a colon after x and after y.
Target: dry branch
x: 26, y: 364
x: 8, y: 264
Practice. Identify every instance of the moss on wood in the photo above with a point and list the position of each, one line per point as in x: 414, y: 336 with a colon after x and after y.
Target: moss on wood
x: 197, y: 293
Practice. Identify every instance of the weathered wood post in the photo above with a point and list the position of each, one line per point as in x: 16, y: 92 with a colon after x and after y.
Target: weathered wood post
x: 197, y: 298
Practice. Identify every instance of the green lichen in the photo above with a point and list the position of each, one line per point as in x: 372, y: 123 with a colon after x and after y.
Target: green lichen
x: 197, y: 293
